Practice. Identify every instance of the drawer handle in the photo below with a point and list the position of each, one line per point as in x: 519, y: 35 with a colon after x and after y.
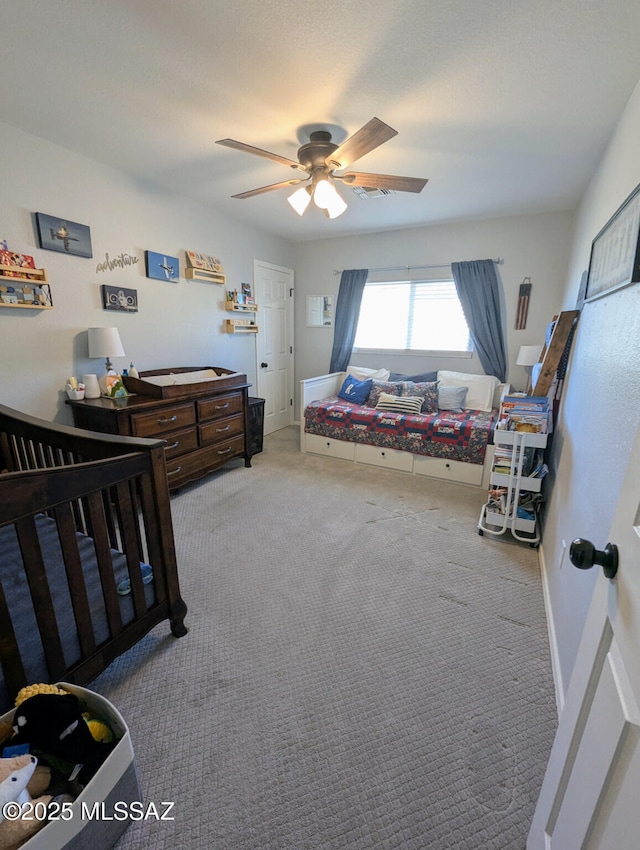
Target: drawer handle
x: 172, y: 446
x: 174, y: 471
x: 224, y: 451
x: 222, y: 430
x: 164, y: 421
x: 221, y: 406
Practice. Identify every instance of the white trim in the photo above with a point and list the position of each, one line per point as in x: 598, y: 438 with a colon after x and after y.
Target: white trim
x: 415, y: 352
x: 551, y: 630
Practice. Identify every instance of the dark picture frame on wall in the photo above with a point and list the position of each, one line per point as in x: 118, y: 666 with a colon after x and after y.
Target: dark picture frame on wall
x: 615, y: 252
x: 120, y: 299
x: 64, y: 236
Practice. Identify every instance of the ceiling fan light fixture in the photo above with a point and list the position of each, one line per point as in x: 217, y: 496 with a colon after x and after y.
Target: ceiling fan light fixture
x: 324, y: 194
x: 336, y: 207
x: 300, y: 199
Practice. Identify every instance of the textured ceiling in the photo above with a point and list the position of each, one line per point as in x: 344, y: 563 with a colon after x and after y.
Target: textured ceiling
x: 505, y: 106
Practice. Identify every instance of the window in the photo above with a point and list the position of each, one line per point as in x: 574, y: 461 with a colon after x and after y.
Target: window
x: 417, y: 315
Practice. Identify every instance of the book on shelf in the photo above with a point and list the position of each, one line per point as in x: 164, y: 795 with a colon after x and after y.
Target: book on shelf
x: 530, y: 414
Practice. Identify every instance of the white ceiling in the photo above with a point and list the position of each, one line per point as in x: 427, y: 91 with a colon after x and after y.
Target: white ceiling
x: 505, y: 106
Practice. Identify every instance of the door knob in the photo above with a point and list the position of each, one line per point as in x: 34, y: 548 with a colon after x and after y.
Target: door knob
x: 583, y: 555
x: 263, y: 365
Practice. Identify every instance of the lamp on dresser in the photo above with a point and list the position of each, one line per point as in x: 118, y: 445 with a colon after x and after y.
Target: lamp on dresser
x: 105, y: 342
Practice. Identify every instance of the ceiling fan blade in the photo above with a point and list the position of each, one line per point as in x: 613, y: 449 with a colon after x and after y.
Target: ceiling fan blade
x: 252, y: 192
x: 383, y: 181
x: 240, y: 146
x: 368, y: 137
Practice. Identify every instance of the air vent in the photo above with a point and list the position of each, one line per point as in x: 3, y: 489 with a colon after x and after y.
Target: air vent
x: 362, y: 192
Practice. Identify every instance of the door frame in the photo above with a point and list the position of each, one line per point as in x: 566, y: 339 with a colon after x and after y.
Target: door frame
x: 289, y: 330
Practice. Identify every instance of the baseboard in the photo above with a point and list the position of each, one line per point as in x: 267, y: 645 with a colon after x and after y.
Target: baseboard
x: 553, y: 643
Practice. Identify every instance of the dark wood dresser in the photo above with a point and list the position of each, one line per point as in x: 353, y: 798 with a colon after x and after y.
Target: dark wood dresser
x: 204, y: 424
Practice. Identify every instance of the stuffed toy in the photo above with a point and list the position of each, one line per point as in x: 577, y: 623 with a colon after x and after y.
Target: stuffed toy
x: 53, y: 726
x: 32, y: 690
x: 15, y: 775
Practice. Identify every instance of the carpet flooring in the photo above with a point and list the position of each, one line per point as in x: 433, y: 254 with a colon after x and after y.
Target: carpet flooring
x: 362, y: 669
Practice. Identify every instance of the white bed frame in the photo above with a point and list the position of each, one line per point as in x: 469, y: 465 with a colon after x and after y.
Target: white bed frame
x: 313, y: 389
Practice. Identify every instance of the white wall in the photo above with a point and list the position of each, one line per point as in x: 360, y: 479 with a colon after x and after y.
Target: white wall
x: 535, y: 246
x: 601, y: 403
x: 178, y: 324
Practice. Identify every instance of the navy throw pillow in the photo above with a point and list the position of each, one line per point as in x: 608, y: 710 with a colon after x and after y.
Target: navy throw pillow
x: 417, y: 379
x: 355, y: 391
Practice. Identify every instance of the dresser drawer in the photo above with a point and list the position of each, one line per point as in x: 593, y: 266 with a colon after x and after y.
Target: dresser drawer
x: 191, y: 466
x: 181, y: 442
x: 162, y: 420
x: 222, y: 405
x: 221, y: 429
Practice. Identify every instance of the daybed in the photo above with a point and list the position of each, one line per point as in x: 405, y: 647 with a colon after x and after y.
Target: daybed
x: 87, y: 556
x: 442, y: 444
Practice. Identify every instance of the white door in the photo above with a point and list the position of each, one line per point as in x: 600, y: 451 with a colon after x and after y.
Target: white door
x: 590, y: 794
x: 274, y: 296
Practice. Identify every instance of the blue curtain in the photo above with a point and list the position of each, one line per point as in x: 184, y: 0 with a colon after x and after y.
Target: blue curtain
x: 479, y: 293
x: 345, y: 321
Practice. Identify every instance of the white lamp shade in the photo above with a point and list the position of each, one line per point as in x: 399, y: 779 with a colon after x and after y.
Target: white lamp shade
x: 528, y: 355
x: 300, y: 200
x: 105, y: 342
x: 324, y: 194
x: 336, y: 206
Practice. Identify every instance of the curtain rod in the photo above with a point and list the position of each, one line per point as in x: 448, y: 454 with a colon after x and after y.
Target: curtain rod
x: 499, y: 261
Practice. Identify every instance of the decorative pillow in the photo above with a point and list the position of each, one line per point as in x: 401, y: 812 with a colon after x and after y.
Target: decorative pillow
x: 399, y: 404
x: 417, y: 379
x: 427, y: 391
x: 452, y: 398
x: 355, y: 391
x: 480, y: 388
x: 362, y: 373
x: 378, y: 387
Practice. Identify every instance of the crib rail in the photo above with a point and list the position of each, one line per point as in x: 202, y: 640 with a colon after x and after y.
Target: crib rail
x: 103, y: 501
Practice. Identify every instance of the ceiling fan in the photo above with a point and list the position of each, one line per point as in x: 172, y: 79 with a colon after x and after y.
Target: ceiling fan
x: 320, y: 158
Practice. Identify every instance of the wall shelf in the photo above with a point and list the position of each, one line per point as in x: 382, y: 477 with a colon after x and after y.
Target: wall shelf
x: 206, y: 275
x: 240, y: 326
x: 31, y: 292
x: 234, y: 307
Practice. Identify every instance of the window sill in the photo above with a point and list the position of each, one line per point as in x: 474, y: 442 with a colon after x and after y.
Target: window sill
x: 462, y: 355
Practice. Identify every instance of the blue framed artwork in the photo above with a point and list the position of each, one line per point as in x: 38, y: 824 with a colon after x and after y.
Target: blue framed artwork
x: 161, y: 267
x: 64, y: 236
x: 120, y: 299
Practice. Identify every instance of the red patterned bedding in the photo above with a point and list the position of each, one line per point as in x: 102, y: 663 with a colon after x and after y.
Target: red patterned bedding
x: 455, y: 436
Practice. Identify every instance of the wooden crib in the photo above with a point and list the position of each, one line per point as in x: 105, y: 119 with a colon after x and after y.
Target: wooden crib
x: 87, y: 555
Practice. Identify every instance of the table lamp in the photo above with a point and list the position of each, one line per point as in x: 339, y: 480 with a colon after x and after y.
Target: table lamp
x: 105, y: 342
x: 528, y: 356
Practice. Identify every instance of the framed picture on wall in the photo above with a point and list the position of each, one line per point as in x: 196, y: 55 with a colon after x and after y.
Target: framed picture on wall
x: 67, y: 237
x: 120, y: 299
x: 162, y: 267
x: 615, y: 252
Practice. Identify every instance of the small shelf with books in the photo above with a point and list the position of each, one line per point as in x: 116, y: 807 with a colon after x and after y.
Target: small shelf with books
x: 515, y: 494
x: 240, y: 326
x: 205, y: 268
x: 22, y: 285
x: 240, y: 308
